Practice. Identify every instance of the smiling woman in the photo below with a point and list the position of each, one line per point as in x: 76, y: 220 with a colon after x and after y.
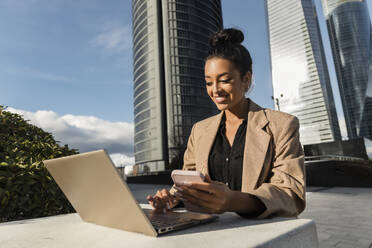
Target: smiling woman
x: 251, y: 157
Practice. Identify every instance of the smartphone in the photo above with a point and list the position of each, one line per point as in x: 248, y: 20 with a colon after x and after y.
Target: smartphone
x: 181, y: 176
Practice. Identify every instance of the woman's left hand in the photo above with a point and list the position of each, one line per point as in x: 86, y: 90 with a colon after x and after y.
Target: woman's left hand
x: 213, y: 197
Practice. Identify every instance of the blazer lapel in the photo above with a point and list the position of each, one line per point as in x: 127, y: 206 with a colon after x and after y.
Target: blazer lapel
x: 206, y: 142
x: 256, y: 144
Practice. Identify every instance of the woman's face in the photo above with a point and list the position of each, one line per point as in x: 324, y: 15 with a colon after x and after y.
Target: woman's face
x: 225, y: 86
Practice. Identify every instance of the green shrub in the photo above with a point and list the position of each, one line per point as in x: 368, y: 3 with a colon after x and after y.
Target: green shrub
x: 26, y: 188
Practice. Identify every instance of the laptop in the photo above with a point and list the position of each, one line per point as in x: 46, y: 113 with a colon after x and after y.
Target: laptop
x: 93, y: 186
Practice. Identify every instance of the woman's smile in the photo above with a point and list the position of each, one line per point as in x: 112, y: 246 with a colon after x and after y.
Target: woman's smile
x: 220, y: 99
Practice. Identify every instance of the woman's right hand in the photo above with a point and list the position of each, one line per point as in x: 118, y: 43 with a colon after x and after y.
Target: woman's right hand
x: 163, y: 200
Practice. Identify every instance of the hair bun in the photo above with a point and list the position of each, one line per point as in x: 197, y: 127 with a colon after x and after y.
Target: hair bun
x: 229, y: 36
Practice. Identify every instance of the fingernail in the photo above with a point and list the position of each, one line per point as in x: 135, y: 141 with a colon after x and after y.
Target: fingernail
x: 168, y: 206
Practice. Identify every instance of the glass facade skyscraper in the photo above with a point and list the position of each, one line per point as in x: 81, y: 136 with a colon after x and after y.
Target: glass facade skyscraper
x: 170, y: 43
x: 349, y: 28
x: 300, y: 77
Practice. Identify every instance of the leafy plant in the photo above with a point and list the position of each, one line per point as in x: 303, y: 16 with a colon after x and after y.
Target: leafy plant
x: 26, y: 188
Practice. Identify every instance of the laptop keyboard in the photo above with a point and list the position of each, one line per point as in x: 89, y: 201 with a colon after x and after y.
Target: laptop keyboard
x: 164, y: 220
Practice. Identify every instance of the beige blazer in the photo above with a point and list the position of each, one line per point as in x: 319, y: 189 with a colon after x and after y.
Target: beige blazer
x: 273, y: 163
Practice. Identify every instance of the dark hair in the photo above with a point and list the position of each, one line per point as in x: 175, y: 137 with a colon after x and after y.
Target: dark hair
x: 225, y: 44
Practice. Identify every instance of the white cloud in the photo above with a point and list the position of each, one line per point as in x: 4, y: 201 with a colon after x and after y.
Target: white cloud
x: 86, y: 133
x: 114, y: 38
x: 120, y: 159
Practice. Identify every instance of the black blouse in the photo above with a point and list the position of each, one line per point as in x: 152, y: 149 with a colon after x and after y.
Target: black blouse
x: 226, y: 163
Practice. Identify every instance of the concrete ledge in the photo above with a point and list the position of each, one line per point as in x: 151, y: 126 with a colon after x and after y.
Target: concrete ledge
x: 229, y: 231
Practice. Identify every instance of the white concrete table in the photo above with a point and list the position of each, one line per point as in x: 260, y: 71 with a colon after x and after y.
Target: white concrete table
x: 229, y: 231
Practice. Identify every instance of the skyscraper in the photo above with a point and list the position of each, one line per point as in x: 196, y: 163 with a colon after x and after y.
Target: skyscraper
x: 349, y: 29
x: 170, y: 43
x: 300, y: 77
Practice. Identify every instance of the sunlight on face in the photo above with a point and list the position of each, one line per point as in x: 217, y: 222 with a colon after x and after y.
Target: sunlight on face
x: 224, y: 84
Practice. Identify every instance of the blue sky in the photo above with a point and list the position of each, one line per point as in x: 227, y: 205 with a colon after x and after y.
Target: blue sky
x: 69, y: 58
x: 57, y: 55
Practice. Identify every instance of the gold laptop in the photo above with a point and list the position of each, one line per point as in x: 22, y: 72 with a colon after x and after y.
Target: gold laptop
x: 97, y: 192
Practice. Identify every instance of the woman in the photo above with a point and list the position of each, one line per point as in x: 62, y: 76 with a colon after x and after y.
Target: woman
x: 252, y: 157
